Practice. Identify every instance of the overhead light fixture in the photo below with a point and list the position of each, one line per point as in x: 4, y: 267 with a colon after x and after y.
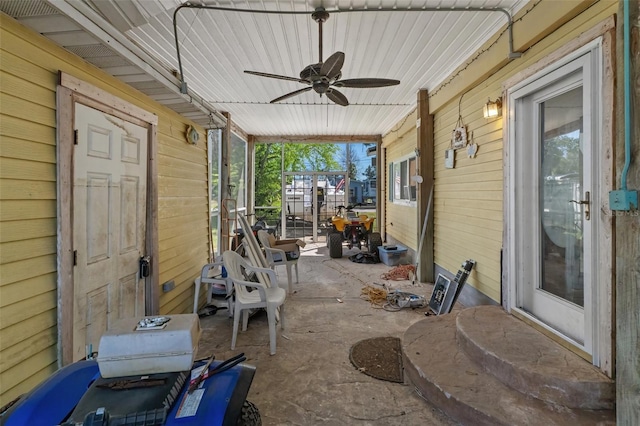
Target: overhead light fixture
x: 492, y: 109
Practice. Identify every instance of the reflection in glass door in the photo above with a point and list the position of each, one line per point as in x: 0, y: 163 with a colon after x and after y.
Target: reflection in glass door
x: 562, y: 218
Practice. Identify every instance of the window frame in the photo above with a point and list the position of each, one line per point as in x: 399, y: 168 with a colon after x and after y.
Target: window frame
x: 402, y: 190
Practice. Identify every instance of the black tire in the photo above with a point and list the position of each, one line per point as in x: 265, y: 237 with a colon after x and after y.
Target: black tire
x: 335, y: 245
x: 374, y: 241
x: 250, y: 415
x: 330, y: 233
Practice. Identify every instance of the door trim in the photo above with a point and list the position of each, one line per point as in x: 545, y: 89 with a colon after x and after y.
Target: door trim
x: 314, y: 197
x: 603, y: 170
x: 69, y: 91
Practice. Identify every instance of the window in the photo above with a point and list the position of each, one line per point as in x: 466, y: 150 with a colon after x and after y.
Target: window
x: 404, y: 181
x: 402, y: 188
x: 391, y: 186
x: 238, y: 172
x: 213, y: 140
x: 413, y: 186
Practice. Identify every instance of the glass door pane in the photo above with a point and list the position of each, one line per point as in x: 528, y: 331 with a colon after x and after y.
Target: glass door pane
x: 561, y: 188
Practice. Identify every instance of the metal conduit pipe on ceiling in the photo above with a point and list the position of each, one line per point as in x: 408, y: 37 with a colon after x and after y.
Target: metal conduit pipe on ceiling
x: 183, y: 84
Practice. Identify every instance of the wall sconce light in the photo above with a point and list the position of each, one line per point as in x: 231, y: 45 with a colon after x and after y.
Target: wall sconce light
x: 192, y: 135
x: 492, y: 109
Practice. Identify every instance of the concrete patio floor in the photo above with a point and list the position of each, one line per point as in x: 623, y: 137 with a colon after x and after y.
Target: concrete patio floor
x: 311, y: 380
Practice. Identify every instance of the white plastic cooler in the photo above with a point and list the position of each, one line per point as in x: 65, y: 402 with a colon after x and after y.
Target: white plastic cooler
x: 125, y: 351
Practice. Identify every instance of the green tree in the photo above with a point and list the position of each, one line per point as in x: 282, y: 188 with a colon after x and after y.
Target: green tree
x: 370, y: 172
x: 561, y: 156
x: 350, y: 163
x: 297, y: 157
x: 267, y: 174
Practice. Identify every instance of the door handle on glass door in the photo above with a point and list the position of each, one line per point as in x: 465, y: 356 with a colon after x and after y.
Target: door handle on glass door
x: 586, y: 202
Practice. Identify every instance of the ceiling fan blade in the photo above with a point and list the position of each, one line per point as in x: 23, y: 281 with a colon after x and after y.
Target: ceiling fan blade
x: 289, y: 95
x: 279, y: 77
x: 366, y: 82
x: 337, y: 97
x: 332, y: 66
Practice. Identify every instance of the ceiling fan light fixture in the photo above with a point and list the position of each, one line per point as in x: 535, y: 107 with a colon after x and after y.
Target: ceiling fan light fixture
x: 320, y: 87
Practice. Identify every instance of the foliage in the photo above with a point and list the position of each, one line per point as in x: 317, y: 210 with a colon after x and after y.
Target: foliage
x: 349, y: 161
x: 370, y: 172
x: 561, y: 156
x: 267, y: 174
x: 353, y: 171
x: 237, y: 169
x: 296, y: 157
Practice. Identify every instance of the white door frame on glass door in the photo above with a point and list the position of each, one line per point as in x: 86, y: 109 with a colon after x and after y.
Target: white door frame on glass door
x: 571, y: 322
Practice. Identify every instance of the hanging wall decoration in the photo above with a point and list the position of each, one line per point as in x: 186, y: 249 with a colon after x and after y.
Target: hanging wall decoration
x: 472, y: 149
x: 459, y: 134
x: 449, y: 158
x: 459, y: 137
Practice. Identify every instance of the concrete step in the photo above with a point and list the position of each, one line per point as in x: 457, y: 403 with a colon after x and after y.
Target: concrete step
x: 443, y: 374
x: 530, y: 362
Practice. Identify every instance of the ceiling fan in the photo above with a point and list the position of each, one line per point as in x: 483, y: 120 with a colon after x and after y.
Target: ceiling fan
x: 324, y: 77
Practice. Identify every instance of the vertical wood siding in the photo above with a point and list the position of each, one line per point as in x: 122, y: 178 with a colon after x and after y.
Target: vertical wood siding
x: 29, y: 67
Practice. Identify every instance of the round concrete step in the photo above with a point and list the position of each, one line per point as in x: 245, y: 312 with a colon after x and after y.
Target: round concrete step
x: 443, y: 374
x: 530, y: 362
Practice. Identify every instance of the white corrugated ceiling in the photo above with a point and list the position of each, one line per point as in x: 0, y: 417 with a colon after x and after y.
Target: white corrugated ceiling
x: 419, y: 48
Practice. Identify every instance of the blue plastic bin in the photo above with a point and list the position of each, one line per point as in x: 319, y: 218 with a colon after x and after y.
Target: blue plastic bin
x: 392, y: 257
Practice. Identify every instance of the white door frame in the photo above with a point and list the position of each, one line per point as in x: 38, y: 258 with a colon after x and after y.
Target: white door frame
x: 314, y: 197
x: 69, y: 91
x: 576, y: 323
x: 601, y: 38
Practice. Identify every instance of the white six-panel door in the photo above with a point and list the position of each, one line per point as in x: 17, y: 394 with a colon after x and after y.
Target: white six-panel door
x: 109, y: 223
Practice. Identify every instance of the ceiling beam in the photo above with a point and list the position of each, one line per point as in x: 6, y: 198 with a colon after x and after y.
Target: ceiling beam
x: 317, y: 138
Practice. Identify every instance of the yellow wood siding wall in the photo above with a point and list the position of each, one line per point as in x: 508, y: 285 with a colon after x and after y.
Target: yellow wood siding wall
x: 401, y: 221
x: 29, y: 67
x: 468, y: 200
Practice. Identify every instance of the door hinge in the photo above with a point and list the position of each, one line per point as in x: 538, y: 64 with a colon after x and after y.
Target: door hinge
x: 75, y: 257
x: 75, y: 137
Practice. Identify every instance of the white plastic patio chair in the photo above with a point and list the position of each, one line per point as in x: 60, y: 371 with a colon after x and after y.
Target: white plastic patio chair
x: 270, y: 298
x: 278, y: 257
x: 211, y: 274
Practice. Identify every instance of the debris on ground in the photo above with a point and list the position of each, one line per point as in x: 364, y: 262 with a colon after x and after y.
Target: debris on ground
x: 376, y: 296
x: 363, y: 257
x: 397, y: 300
x: 400, y: 273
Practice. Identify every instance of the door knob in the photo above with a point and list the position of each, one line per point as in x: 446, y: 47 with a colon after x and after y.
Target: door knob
x: 586, y: 202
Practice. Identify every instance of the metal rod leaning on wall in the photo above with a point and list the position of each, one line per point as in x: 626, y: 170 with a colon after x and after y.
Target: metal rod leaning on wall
x: 424, y: 230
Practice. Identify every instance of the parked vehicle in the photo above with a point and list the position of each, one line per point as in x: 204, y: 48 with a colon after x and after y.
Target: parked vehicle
x: 145, y: 384
x: 347, y: 226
